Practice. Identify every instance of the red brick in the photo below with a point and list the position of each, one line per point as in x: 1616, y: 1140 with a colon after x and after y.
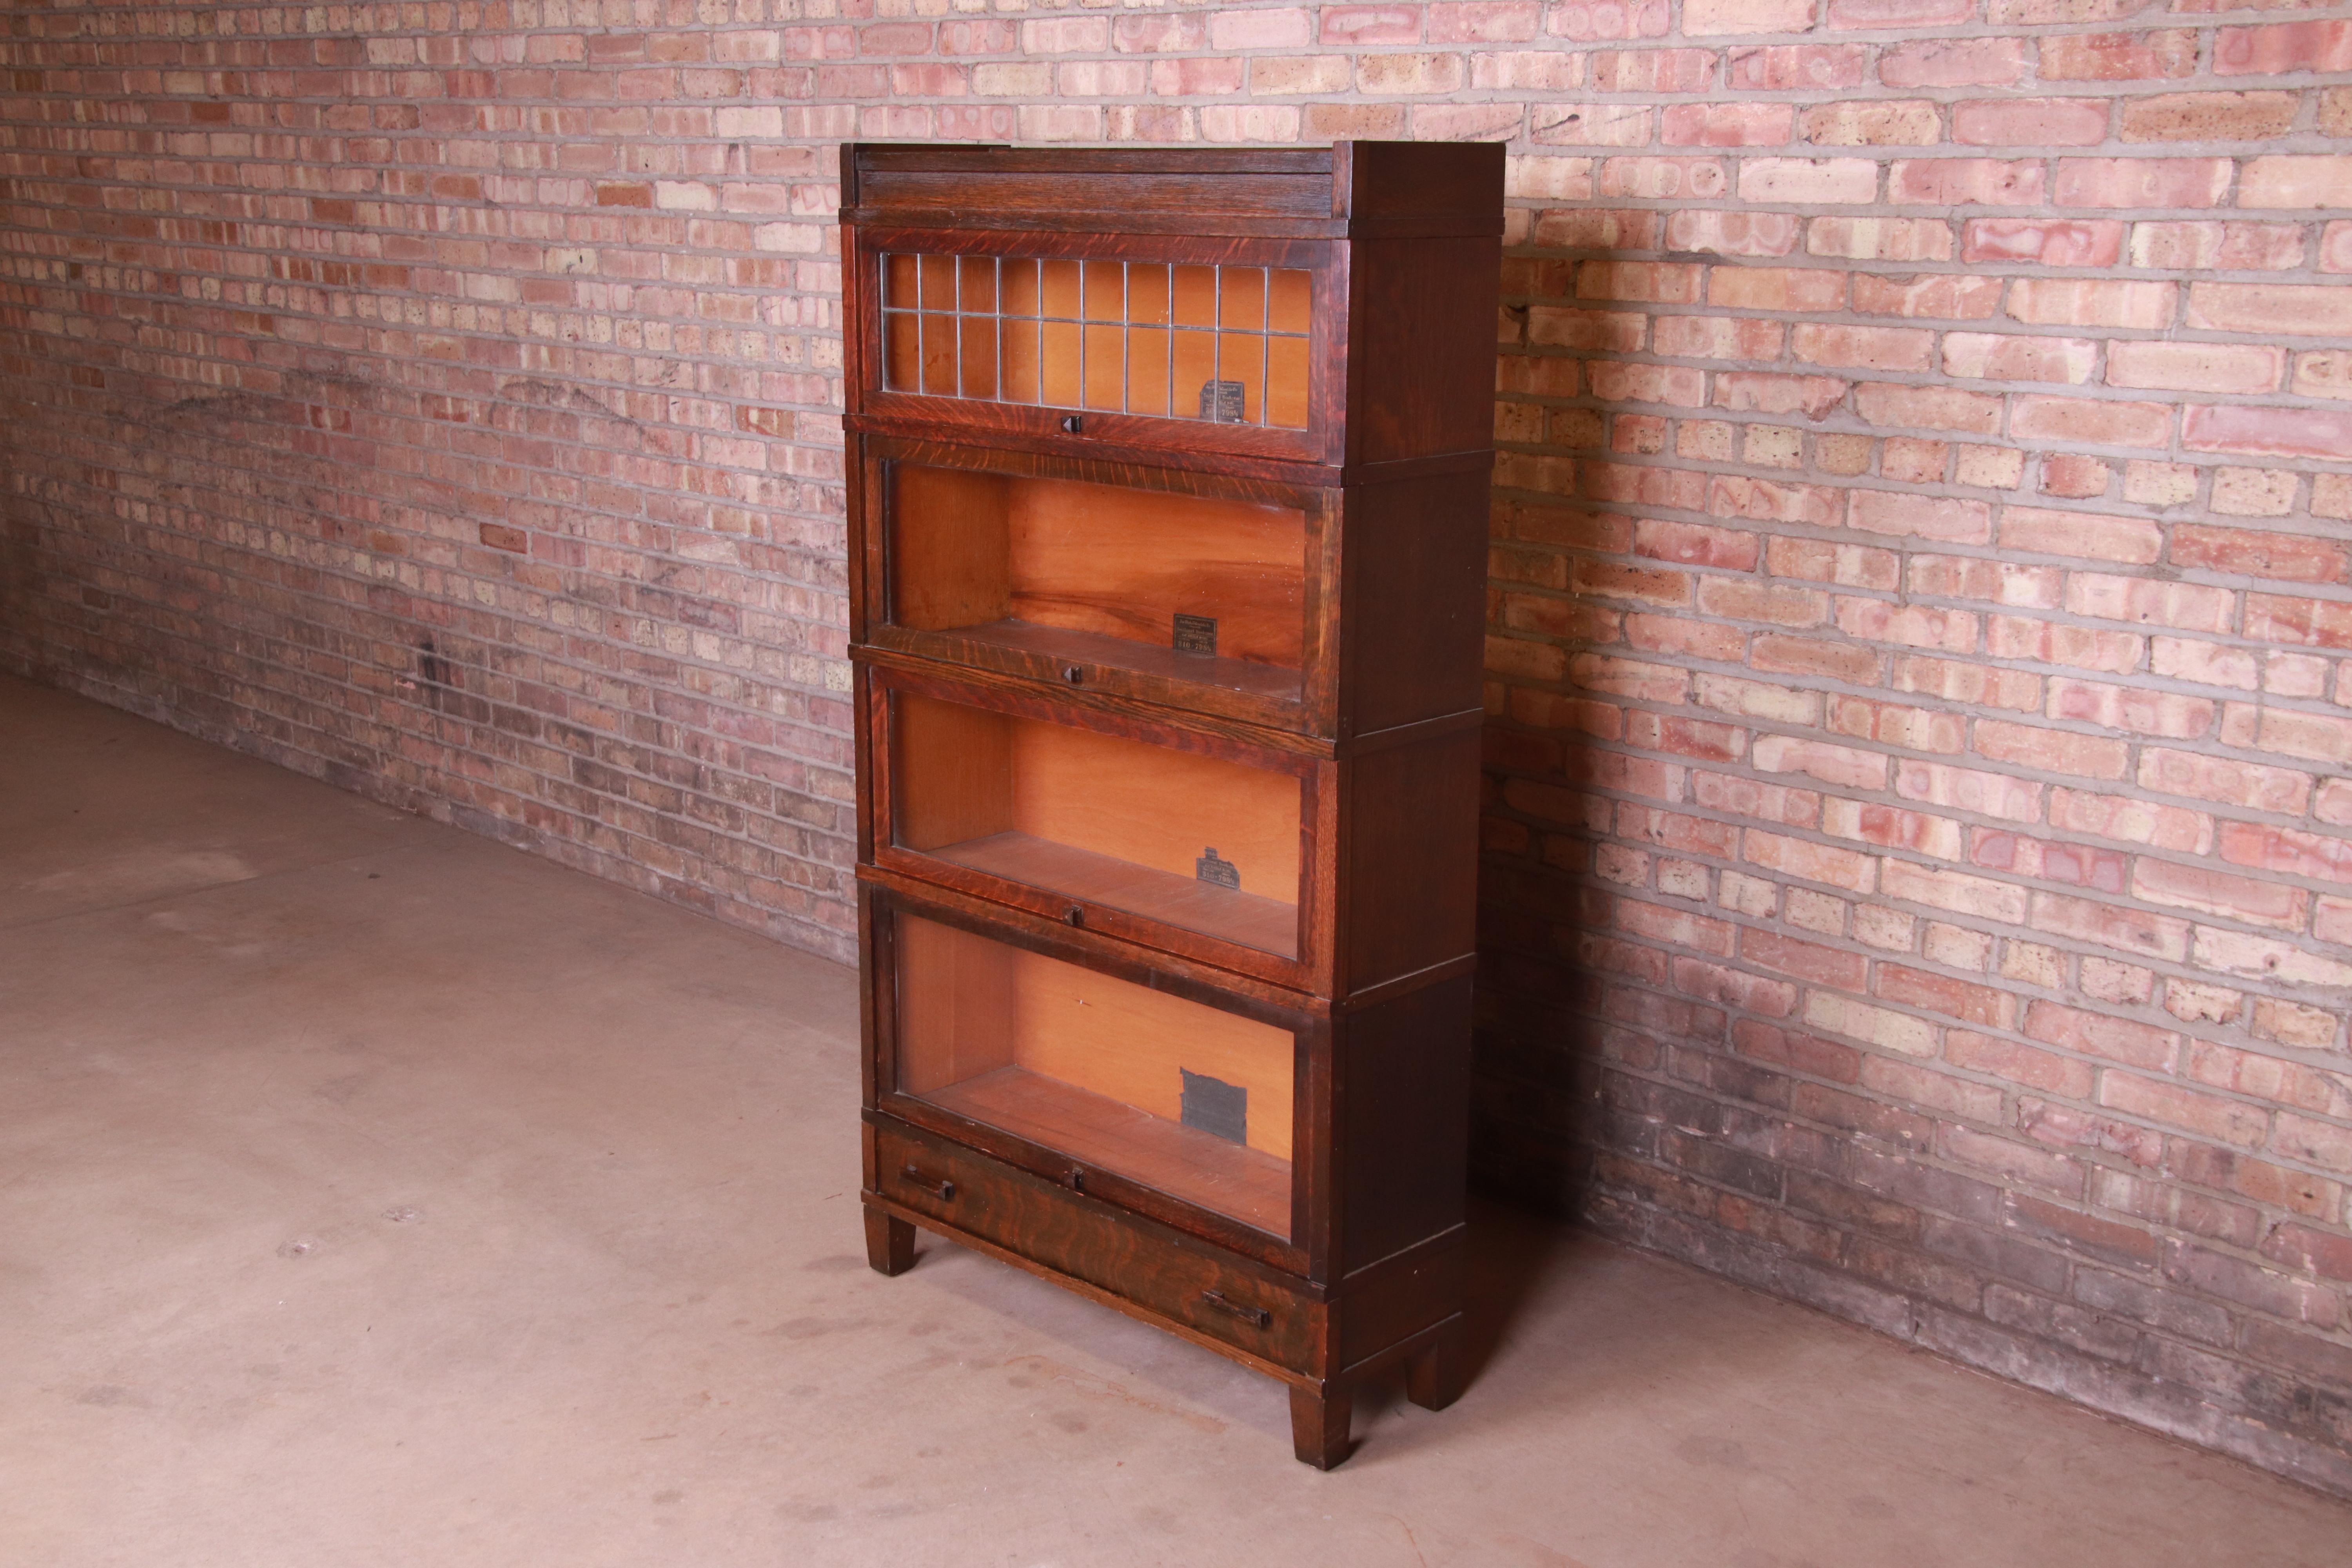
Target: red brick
x: 2142, y: 181
x: 2031, y: 122
x: 2285, y: 849
x: 2052, y: 241
x: 2196, y: 367
x: 2117, y: 57
x: 2099, y: 424
x: 2209, y: 117
x: 1950, y: 62
x: 1920, y: 517
x: 1992, y: 356
x: 1956, y: 297
x: 2218, y: 893
x: 1953, y: 181
x: 2282, y: 49
x: 1927, y: 407
x: 1726, y: 124
x: 2263, y: 553
x: 2045, y: 1070
x: 2322, y: 433
x: 2052, y: 751
x: 2270, y: 308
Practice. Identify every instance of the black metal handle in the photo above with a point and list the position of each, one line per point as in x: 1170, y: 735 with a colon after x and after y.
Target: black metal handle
x: 1257, y: 1317
x: 1073, y: 674
x: 1077, y: 1180
x: 1076, y: 914
x: 1073, y: 424
x: 938, y: 1184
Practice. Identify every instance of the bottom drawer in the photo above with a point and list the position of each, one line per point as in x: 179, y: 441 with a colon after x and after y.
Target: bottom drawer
x: 1177, y: 1280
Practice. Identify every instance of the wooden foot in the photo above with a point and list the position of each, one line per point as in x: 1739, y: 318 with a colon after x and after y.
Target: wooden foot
x: 1318, y: 1424
x: 890, y: 1243
x: 1433, y: 1377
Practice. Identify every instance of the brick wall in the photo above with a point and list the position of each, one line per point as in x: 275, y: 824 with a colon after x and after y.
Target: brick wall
x: 1920, y: 874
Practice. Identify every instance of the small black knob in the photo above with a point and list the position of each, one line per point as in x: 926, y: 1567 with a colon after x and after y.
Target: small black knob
x: 1077, y: 1181
x: 1072, y: 424
x: 1076, y: 914
x: 1073, y: 674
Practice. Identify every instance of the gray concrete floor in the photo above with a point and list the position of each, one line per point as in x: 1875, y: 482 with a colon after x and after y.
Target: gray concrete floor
x: 373, y: 1193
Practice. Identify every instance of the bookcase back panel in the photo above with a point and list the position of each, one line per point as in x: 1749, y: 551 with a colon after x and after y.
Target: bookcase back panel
x: 1189, y: 1099
x: 1222, y: 579
x: 1197, y: 842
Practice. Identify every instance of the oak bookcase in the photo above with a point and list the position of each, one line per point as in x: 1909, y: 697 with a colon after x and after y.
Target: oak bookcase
x: 1168, y: 492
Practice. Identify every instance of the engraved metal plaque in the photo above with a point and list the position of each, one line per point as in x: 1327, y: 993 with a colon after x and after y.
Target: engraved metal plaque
x: 1223, y: 402
x: 1196, y: 633
x: 1215, y: 1106
x: 1209, y: 868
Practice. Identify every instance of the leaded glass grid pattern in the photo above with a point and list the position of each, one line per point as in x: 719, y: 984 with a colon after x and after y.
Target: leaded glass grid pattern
x: 1228, y: 344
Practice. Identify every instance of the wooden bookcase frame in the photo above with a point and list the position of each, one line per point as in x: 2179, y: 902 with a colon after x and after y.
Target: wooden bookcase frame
x: 1378, y: 725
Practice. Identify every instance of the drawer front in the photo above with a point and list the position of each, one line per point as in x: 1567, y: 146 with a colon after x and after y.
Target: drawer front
x: 1067, y: 1233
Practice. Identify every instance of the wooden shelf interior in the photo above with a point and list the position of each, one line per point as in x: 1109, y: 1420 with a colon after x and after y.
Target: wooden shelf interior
x: 1227, y: 344
x: 1099, y: 817
x: 1095, y: 1067
x: 1004, y: 556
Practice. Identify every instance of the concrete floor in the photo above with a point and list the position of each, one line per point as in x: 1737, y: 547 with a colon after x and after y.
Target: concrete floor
x: 373, y: 1193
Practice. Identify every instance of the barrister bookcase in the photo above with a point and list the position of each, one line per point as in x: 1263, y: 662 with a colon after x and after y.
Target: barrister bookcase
x: 1167, y: 490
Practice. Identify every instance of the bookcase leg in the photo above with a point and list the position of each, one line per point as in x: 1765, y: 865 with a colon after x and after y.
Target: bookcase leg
x: 1318, y: 1424
x: 890, y: 1243
x: 1434, y: 1378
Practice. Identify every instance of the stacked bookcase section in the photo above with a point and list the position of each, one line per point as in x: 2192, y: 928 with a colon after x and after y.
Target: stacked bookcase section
x: 1167, y: 490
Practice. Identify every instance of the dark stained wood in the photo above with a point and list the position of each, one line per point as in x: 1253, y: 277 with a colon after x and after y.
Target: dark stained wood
x: 1409, y: 869
x: 1043, y: 962
x: 1320, y: 1418
x: 889, y: 1242
x: 1436, y: 1374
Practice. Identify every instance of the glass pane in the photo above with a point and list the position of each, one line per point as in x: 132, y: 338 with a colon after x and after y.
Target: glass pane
x: 1019, y: 275
x: 1286, y: 383
x: 977, y: 275
x: 1106, y: 291
x: 938, y: 283
x: 1240, y: 354
x: 1240, y: 373
x: 978, y: 348
x: 1194, y: 588
x: 1147, y: 293
x: 1021, y: 361
x: 902, y: 354
x: 1106, y: 366
x: 1189, y: 840
x: 1188, y: 1100
x: 1288, y: 309
x: 1063, y: 351
x: 1147, y: 371
x: 1061, y: 291
x: 938, y: 353
x: 1196, y: 296
x: 1241, y: 297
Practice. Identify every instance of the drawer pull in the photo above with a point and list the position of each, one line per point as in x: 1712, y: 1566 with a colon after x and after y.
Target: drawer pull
x: 1076, y: 914
x: 1077, y: 1180
x: 1257, y: 1317
x: 1073, y: 424
x: 929, y: 1184
x: 1074, y: 675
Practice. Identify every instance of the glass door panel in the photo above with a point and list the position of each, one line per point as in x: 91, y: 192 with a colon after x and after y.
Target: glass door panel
x: 1227, y: 344
x: 1188, y: 1100
x: 1189, y: 840
x: 1195, y: 588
